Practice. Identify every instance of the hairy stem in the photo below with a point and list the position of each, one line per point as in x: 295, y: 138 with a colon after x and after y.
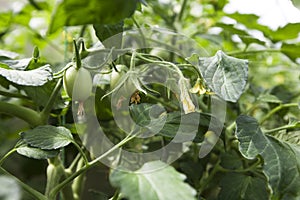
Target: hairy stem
x: 7, y: 155
x: 276, y: 109
x: 46, y: 111
x: 92, y: 163
x: 182, y: 10
x: 290, y: 126
x: 30, y: 116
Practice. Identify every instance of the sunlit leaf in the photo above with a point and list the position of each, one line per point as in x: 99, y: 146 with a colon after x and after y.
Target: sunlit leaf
x: 8, y: 54
x: 36, y: 153
x: 291, y: 50
x: 289, y: 31
x: 225, y: 75
x: 34, y: 77
x: 154, y: 181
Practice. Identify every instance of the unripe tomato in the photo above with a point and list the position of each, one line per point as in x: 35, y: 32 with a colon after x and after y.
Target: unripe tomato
x: 78, y: 79
x: 115, y: 76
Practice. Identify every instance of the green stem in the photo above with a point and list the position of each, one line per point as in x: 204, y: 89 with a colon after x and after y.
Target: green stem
x: 35, y: 5
x: 132, y: 61
x: 37, y: 195
x: 116, y: 195
x: 276, y: 109
x: 26, y: 114
x: 182, y: 10
x: 176, y: 68
x: 290, y: 126
x: 92, y: 163
x: 78, y: 183
x: 230, y: 128
x: 204, y: 182
x: 46, y: 111
x: 13, y: 95
x: 74, y: 163
x: 140, y: 31
x: 250, y: 168
x: 77, y: 55
x: 86, y: 162
x: 7, y: 155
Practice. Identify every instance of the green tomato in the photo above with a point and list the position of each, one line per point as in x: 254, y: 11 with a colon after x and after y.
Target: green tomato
x: 78, y: 79
x: 115, y: 76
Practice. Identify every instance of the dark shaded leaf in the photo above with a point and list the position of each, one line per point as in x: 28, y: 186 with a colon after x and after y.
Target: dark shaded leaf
x: 41, y: 94
x: 105, y: 31
x: 281, y: 160
x: 47, y: 137
x: 236, y: 186
x: 182, y: 127
x: 94, y: 12
x: 154, y: 181
x: 231, y: 160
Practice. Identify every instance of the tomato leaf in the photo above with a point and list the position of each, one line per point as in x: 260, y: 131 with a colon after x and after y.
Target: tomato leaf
x: 184, y: 127
x: 155, y: 180
x: 291, y: 50
x: 36, y: 153
x: 17, y: 64
x: 41, y: 94
x: 289, y: 31
x: 34, y: 77
x: 104, y: 33
x: 224, y: 75
x: 94, y: 12
x: 236, y: 186
x: 269, y: 98
x: 281, y: 159
x: 8, y: 54
x: 47, y: 137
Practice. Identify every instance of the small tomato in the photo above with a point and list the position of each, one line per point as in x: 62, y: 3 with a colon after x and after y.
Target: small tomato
x: 78, y: 79
x: 115, y: 76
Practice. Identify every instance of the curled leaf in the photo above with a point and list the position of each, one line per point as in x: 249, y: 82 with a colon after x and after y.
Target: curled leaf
x: 188, y: 105
x: 36, y: 77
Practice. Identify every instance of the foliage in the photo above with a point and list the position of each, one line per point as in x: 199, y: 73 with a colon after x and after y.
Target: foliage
x: 230, y: 103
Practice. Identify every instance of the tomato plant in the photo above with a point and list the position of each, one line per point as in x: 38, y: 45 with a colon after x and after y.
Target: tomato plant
x: 134, y: 99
